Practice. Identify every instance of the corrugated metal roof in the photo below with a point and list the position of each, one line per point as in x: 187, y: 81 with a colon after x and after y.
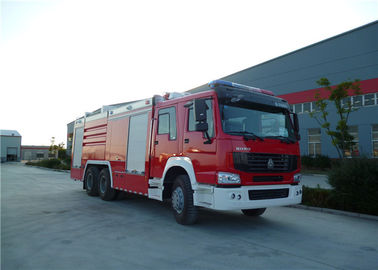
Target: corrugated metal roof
x: 5, y: 132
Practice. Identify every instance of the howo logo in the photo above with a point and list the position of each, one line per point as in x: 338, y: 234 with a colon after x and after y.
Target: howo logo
x: 270, y: 164
x: 243, y: 149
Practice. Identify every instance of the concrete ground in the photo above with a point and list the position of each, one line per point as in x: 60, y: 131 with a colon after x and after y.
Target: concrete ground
x: 48, y: 222
x: 315, y: 180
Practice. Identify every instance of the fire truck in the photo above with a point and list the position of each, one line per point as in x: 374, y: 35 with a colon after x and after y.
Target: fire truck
x: 230, y: 147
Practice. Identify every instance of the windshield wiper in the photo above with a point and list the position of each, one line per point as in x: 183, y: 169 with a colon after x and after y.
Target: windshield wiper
x: 282, y: 139
x: 246, y: 135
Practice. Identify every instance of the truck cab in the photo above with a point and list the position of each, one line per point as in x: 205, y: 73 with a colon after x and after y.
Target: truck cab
x: 233, y: 147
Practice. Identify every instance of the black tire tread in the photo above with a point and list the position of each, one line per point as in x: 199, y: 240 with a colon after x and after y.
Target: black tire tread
x: 110, y: 193
x: 94, y: 190
x: 190, y: 213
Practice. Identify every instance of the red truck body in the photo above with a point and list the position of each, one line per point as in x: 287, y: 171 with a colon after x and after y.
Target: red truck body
x: 163, y: 149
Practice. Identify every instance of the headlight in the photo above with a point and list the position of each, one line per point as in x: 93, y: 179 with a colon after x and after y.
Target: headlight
x: 297, y: 177
x: 228, y: 178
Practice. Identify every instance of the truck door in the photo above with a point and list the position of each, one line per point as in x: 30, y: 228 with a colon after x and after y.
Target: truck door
x: 197, y: 147
x: 165, y: 141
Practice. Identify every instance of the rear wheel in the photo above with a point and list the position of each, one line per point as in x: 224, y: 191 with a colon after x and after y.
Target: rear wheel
x: 91, y: 180
x: 107, y: 193
x: 182, y: 201
x: 253, y: 212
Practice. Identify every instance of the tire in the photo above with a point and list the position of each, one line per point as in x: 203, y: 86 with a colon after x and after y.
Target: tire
x: 91, y: 181
x: 253, y: 212
x: 107, y: 193
x: 182, y: 201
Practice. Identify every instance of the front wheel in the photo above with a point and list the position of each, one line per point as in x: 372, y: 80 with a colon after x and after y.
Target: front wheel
x: 182, y: 201
x: 253, y: 212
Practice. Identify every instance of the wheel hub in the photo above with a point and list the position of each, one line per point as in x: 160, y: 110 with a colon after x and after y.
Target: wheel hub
x: 89, y: 181
x: 102, y: 184
x: 178, y: 200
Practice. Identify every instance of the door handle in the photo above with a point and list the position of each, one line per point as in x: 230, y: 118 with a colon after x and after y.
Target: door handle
x: 156, y: 142
x: 186, y: 140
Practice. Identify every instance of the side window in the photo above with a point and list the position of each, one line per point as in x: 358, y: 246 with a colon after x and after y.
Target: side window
x: 191, y: 124
x: 163, y: 123
x: 167, y: 122
x: 210, y: 120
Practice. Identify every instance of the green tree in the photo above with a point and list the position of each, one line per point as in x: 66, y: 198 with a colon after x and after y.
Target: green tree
x: 341, y: 138
x: 57, y: 150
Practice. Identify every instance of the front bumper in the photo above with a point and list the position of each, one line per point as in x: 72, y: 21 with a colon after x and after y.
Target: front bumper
x: 240, y: 198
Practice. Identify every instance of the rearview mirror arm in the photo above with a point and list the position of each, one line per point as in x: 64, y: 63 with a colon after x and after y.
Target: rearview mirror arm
x: 208, y: 139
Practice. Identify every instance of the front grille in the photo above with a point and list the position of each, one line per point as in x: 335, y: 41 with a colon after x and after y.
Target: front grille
x: 267, y: 178
x: 266, y: 194
x: 261, y: 162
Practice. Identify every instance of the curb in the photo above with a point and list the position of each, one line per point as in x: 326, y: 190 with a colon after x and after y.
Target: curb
x: 334, y: 212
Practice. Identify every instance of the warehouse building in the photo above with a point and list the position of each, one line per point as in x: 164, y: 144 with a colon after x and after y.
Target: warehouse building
x: 348, y: 56
x: 10, y: 145
x: 34, y: 152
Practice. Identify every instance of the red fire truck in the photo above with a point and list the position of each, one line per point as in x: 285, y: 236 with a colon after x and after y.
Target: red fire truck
x: 232, y: 147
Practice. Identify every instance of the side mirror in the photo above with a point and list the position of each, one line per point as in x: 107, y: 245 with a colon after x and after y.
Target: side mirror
x: 200, y: 116
x: 202, y: 127
x: 200, y: 108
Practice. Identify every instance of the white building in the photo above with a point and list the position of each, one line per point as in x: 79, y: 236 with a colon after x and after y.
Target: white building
x: 10, y: 145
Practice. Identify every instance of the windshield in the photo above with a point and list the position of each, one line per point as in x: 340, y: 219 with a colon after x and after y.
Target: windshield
x: 255, y: 119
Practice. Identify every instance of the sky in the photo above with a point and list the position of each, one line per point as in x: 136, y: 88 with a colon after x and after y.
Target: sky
x: 60, y: 59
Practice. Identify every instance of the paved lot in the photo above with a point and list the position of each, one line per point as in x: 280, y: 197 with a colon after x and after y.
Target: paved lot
x: 48, y: 222
x: 315, y: 180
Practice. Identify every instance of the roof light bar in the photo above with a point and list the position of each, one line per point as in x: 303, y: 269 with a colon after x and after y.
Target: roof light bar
x: 215, y: 83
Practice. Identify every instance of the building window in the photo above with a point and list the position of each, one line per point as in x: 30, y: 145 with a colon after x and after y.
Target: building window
x: 298, y: 108
x: 375, y: 140
x: 357, y: 101
x: 369, y: 99
x: 314, y: 144
x: 354, y: 150
x: 314, y: 108
x: 346, y: 102
x: 307, y: 107
x: 40, y: 155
